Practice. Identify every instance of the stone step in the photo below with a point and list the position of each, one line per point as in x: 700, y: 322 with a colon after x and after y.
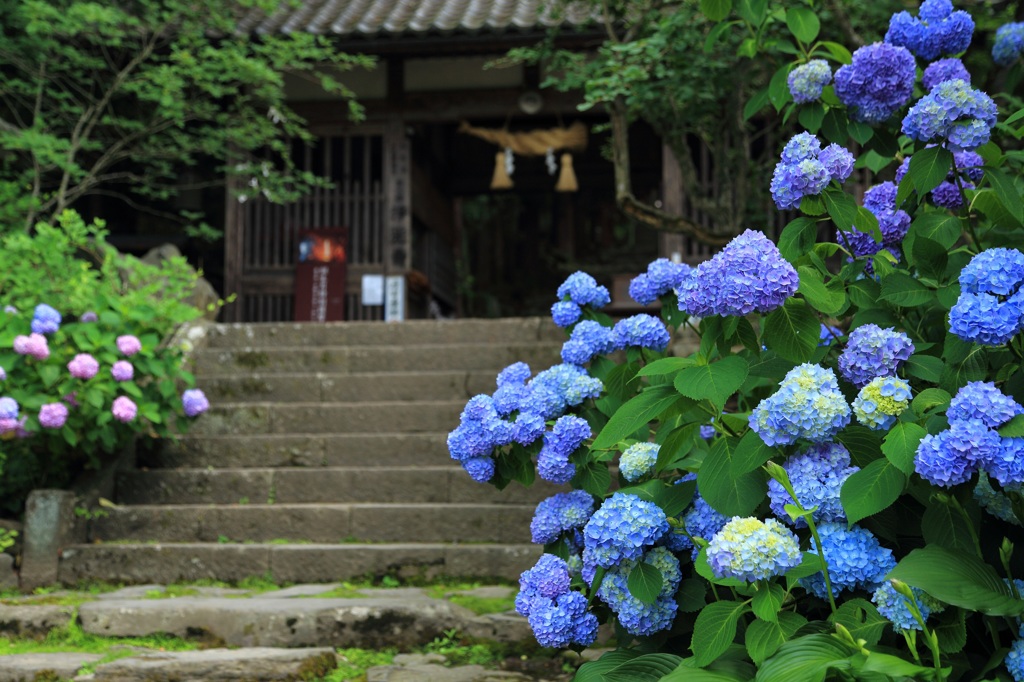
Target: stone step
x: 412, y: 332
x: 319, y: 523
x: 300, y: 450
x: 136, y: 563
x: 309, y: 418
x: 372, y: 387
x: 244, y: 361
x: 412, y: 484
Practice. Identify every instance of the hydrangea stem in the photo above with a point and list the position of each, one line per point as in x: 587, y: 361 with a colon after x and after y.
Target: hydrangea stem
x: 970, y: 525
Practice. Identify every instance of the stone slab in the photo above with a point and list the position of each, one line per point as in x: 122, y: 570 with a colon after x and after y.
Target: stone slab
x: 162, y: 563
x: 442, y: 523
x: 432, y: 672
x: 257, y: 664
x: 384, y: 417
x: 286, y: 387
x: 26, y: 667
x: 33, y: 621
x: 49, y: 523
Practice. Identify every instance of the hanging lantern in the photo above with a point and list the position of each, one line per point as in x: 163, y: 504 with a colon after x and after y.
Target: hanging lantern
x: 500, y: 179
x: 567, y: 177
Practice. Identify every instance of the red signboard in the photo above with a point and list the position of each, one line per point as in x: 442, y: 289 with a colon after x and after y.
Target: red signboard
x: 320, y: 275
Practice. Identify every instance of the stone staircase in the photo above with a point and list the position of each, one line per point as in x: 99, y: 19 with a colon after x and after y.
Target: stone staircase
x: 323, y: 458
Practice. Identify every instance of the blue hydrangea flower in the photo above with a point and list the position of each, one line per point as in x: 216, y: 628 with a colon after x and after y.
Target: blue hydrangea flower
x: 893, y: 223
x: 560, y: 513
x: 582, y: 289
x: 952, y: 112
x: 624, y: 527
x: 947, y: 195
x: 588, y: 339
x: 1009, y: 45
x: 480, y: 430
x: 936, y: 463
x: 701, y: 520
x: 640, y: 331
x: 807, y: 80
x: 991, y: 305
x: 555, y: 389
x: 801, y: 147
x: 859, y: 244
x: 855, y: 558
x: 873, y: 352
x: 878, y: 82
x: 936, y: 31
x: 994, y: 271
x: 549, y: 578
x: 808, y: 405
x: 749, y: 549
x: 480, y: 469
x: 528, y: 428
x: 996, y: 502
x: 1015, y: 658
x: 565, y: 313
x: 662, y: 276
x: 881, y: 401
x: 1006, y: 463
x: 8, y: 408
x: 516, y: 373
x: 969, y: 164
x: 568, y: 434
x: 943, y: 70
x: 45, y: 320
x: 707, y: 431
x: 563, y: 622
x: 838, y: 161
x: 893, y: 607
x: 983, y: 401
x: 638, y: 460
x: 748, y: 274
x: 829, y: 333
x: 817, y: 477
x: 635, y: 616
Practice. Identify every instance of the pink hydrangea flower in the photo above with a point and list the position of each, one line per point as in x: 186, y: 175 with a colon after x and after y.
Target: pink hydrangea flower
x: 122, y: 371
x: 194, y: 402
x: 53, y: 415
x: 33, y: 344
x: 84, y: 366
x: 124, y: 409
x: 128, y: 344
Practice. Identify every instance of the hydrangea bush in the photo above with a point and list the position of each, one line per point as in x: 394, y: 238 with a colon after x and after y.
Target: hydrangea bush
x: 829, y: 486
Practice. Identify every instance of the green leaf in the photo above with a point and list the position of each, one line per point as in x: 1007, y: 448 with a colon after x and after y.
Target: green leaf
x: 778, y: 88
x: 841, y: 207
x: 798, y: 238
x: 862, y: 619
x: 803, y: 24
x: 929, y: 257
x: 950, y: 629
x: 687, y: 673
x: 839, y: 52
x: 691, y: 595
x: 939, y: 227
x: 751, y: 452
x: 645, y: 668
x: 958, y: 578
x: 930, y: 399
x: 928, y: 168
x: 926, y: 367
x: 944, y: 526
x: 592, y: 477
x: 822, y: 298
x: 792, y: 331
x: 988, y: 203
x: 1006, y: 192
x: 863, y: 443
x: 870, y: 490
x: 715, y: 629
x: 764, y: 637
x: 1013, y: 428
x: 834, y: 127
x: 767, y: 601
x: 638, y: 412
x: 49, y: 374
x: 905, y: 291
x: 716, y: 32
x: 805, y: 659
x: 592, y: 670
x: 715, y: 382
x: 756, y: 103
x: 752, y: 11
x: 811, y: 115
x: 861, y: 132
x: 729, y: 493
x: 900, y: 445
x: 716, y: 10
x: 645, y: 582
x: 666, y: 366
x: 676, y: 447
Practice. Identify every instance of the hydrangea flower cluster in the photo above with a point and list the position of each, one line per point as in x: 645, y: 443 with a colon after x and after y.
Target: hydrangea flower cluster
x: 194, y: 402
x: 1009, y: 45
x: 83, y: 366
x: 1015, y: 658
x: 128, y: 344
x: 480, y: 430
x: 807, y: 405
x: 636, y: 617
x: 995, y: 502
x: 894, y: 607
x: 701, y: 520
x: 582, y: 289
x: 623, y: 528
x: 829, y: 333
x: 53, y: 415
x: 880, y: 402
x: 557, y: 615
x: 588, y: 339
x: 877, y: 83
x: 34, y: 344
x: 749, y: 549
x: 560, y: 513
x: 806, y: 169
x: 45, y: 320
x: 990, y: 310
x: 124, y: 409
x: 892, y: 222
x: 952, y: 113
x: 873, y: 352
x: 565, y: 313
x: 638, y: 460
x: 662, y: 276
x: 641, y: 331
x: 855, y: 558
x: 943, y: 70
x: 808, y: 80
x: 937, y: 30
x: 122, y: 370
x: 748, y: 274
x: 817, y: 477
x: 971, y: 442
x: 568, y: 434
x: 557, y: 388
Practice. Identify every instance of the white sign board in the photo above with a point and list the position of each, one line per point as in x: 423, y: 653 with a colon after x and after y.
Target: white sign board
x: 394, y: 298
x: 373, y: 290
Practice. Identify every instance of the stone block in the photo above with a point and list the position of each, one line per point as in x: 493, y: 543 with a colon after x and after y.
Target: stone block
x: 49, y: 523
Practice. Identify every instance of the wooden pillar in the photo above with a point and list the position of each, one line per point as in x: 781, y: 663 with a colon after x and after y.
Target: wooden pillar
x: 672, y: 202
x: 234, y: 244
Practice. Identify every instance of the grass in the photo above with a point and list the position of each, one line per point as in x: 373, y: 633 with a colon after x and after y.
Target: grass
x: 72, y: 638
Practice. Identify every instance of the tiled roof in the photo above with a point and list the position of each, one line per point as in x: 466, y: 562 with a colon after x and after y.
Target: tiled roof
x: 405, y: 17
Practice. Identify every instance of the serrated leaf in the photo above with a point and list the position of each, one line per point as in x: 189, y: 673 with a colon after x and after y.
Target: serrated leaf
x: 870, y: 490
x: 839, y: 52
x: 756, y: 103
x: 861, y: 132
x: 803, y: 23
x: 819, y: 296
x: 728, y: 493
x: 715, y: 382
x: 1006, y: 192
x: 939, y: 227
x: 751, y: 452
x: 928, y: 168
x: 637, y: 412
x: 764, y: 637
x: 715, y: 629
x: 930, y: 399
x: 925, y: 367
x: 841, y: 207
x: 666, y: 366
x: 767, y: 602
x: 834, y: 128
x: 792, y: 331
x: 1013, y: 428
x: 905, y: 291
x: 929, y: 257
x: 900, y: 445
x: 691, y: 595
x: 593, y: 477
x: 958, y: 578
x: 645, y: 582
x: 778, y: 88
x: 811, y: 115
x: 797, y: 238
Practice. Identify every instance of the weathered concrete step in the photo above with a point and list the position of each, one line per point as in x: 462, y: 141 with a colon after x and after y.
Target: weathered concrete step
x: 328, y: 387
x: 413, y: 332
x: 362, y: 359
x: 386, y: 417
x: 135, y: 564
x: 410, y: 484
x: 254, y: 664
x: 301, y: 450
x: 322, y: 523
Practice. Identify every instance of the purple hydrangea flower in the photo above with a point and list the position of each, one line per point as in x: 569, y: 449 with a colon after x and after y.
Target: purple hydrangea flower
x: 582, y: 289
x: 45, y: 320
x: 549, y: 578
x: 640, y: 331
x: 943, y: 70
x: 893, y: 223
x: 83, y: 366
x: 560, y: 513
x: 817, y: 477
x: 123, y: 409
x: 878, y: 82
x: 53, y: 415
x: 806, y: 81
x: 808, y: 405
x: 624, y: 527
x: 662, y: 276
x: 33, y: 344
x: 3, y: 374
x: 128, y: 344
x: 749, y: 549
x: 838, y: 161
x: 88, y: 316
x: 969, y: 164
x: 10, y: 309
x: 748, y: 274
x: 953, y: 113
x: 565, y: 313
x: 855, y: 558
x: 194, y: 402
x: 568, y: 434
x: 873, y: 352
x: 122, y: 370
x: 1009, y: 45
